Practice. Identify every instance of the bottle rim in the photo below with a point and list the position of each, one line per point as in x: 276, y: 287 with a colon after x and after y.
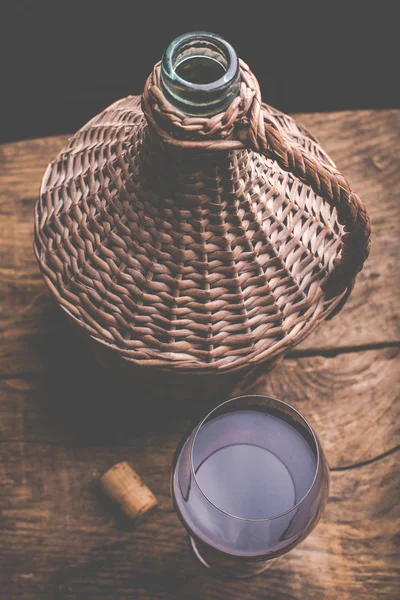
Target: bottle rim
x: 200, y: 98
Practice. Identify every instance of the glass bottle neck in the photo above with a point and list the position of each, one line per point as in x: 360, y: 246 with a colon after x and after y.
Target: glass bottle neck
x: 200, y: 74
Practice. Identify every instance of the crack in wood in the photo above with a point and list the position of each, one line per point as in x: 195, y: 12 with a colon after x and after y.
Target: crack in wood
x: 332, y: 352
x: 308, y: 352
x: 127, y: 445
x: 364, y: 463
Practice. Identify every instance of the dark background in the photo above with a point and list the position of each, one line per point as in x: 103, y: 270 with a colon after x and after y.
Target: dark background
x: 62, y: 62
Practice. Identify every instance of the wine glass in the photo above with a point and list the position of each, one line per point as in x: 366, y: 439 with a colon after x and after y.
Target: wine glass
x: 249, y: 483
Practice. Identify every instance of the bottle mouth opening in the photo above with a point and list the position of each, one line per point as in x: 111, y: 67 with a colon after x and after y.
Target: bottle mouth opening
x: 200, y: 69
x: 200, y: 73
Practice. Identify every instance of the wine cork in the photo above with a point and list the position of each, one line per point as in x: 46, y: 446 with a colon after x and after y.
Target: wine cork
x: 124, y: 486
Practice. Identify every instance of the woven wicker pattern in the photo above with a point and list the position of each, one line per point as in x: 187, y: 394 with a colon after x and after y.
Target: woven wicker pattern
x: 198, y: 244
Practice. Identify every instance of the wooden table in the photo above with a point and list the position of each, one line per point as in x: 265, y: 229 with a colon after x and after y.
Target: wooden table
x: 63, y: 422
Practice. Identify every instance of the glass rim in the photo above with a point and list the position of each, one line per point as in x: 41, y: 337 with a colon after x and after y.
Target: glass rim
x: 168, y: 67
x: 291, y: 408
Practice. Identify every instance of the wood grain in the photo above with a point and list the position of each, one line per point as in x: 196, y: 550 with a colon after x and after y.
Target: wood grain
x: 61, y: 540
x: 63, y: 422
x: 365, y: 145
x: 352, y: 402
x: 27, y: 316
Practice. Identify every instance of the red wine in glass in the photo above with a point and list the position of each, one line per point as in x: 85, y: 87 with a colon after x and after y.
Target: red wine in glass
x: 249, y: 483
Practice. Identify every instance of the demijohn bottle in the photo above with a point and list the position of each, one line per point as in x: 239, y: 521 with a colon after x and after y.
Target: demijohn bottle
x: 194, y: 234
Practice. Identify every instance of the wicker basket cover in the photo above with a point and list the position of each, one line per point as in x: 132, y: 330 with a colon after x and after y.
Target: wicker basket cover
x: 196, y: 245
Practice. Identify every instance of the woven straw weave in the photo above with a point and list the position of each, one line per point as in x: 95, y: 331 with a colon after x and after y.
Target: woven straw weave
x: 197, y: 244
